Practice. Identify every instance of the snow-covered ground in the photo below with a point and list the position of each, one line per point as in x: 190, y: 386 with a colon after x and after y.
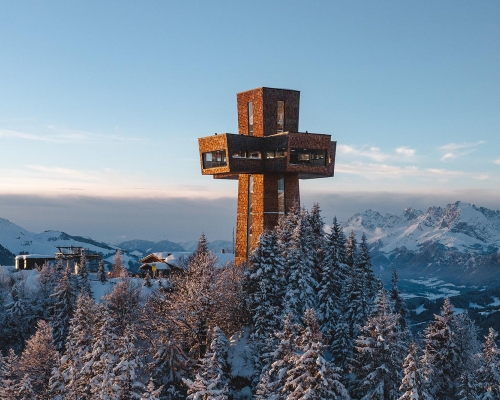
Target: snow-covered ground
x: 430, y: 288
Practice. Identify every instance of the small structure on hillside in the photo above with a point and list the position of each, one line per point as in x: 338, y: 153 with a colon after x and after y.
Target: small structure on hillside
x: 73, y: 257
x: 32, y: 261
x: 157, y: 266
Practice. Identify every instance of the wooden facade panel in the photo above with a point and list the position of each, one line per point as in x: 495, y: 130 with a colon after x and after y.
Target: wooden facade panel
x: 266, y: 156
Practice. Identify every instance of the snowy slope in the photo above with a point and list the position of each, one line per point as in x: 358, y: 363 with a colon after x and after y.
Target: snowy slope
x: 17, y: 239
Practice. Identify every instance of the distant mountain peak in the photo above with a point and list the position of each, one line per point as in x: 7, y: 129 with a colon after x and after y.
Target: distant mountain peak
x: 460, y: 235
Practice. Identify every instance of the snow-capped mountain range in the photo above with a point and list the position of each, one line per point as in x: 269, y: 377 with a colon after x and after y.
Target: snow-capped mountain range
x: 460, y: 241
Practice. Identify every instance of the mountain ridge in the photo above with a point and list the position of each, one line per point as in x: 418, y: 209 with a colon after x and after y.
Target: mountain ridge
x: 459, y: 241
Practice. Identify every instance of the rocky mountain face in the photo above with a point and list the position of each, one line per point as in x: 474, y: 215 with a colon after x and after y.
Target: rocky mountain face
x: 459, y: 242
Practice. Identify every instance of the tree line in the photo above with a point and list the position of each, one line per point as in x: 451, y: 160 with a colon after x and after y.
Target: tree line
x: 314, y: 320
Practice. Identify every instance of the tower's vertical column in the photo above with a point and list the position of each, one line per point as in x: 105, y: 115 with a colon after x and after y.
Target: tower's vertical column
x: 242, y: 220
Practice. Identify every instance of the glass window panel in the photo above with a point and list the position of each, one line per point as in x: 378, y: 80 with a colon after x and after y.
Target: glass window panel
x: 281, y: 183
x: 250, y: 119
x: 311, y: 157
x: 281, y: 116
x: 213, y: 159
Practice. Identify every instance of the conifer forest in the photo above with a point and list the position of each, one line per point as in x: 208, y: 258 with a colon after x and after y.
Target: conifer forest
x: 305, y: 318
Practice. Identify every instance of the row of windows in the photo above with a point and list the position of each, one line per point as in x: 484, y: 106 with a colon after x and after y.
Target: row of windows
x: 277, y: 153
x: 280, y: 120
x: 246, y: 154
x: 311, y: 157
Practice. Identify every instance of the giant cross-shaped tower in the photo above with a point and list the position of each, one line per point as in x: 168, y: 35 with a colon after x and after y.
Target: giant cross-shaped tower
x: 268, y: 156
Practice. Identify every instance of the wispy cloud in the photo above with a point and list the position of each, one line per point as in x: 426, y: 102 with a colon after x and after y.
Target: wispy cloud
x: 401, y: 153
x: 53, y: 170
x: 5, y: 133
x: 406, y: 151
x: 497, y: 161
x: 54, y: 135
x: 380, y: 171
x: 456, y: 150
x: 373, y: 153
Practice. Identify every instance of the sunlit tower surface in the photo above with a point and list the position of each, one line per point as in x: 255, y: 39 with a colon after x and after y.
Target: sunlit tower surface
x: 268, y: 156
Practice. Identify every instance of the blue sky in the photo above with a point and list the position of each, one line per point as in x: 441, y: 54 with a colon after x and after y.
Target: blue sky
x: 102, y: 103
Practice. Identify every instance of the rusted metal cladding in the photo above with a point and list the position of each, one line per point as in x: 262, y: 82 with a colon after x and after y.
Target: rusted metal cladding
x: 265, y: 109
x: 265, y: 210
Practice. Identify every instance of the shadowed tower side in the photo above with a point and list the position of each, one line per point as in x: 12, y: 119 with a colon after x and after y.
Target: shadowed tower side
x: 268, y: 157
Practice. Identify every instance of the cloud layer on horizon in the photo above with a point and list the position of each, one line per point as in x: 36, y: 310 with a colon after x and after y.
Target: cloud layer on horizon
x: 183, y: 219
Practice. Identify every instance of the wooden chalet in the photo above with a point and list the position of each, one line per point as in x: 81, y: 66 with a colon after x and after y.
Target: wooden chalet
x: 157, y: 266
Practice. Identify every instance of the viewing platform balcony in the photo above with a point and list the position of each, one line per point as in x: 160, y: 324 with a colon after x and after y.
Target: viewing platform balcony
x: 227, y: 155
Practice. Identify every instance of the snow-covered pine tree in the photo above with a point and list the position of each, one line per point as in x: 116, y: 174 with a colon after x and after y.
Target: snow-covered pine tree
x: 123, y: 303
x: 62, y: 309
x: 169, y: 360
x: 99, y: 362
x: 468, y: 387
x: 201, y: 252
x: 82, y: 276
x: 311, y: 376
x: 489, y: 373
x: 170, y: 363
x: 284, y: 230
x: 126, y: 372
x: 212, y: 381
x: 25, y: 390
x: 301, y: 290
x: 9, y: 376
x: 412, y: 385
x: 440, y: 359
x: 202, y: 247
x: 355, y: 301
x: 379, y: 354
x: 266, y: 285
x: 468, y: 349
x: 67, y: 380
x: 342, y: 343
x: 39, y: 358
x: 47, y: 280
x: 317, y: 238
x: 273, y: 375
x: 229, y: 298
x: 147, y: 280
x: 333, y: 276
x: 19, y: 316
x: 119, y: 270
x: 366, y: 266
x: 162, y: 328
x: 397, y: 301
x: 191, y: 303
x: 101, y: 272
x: 150, y: 392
